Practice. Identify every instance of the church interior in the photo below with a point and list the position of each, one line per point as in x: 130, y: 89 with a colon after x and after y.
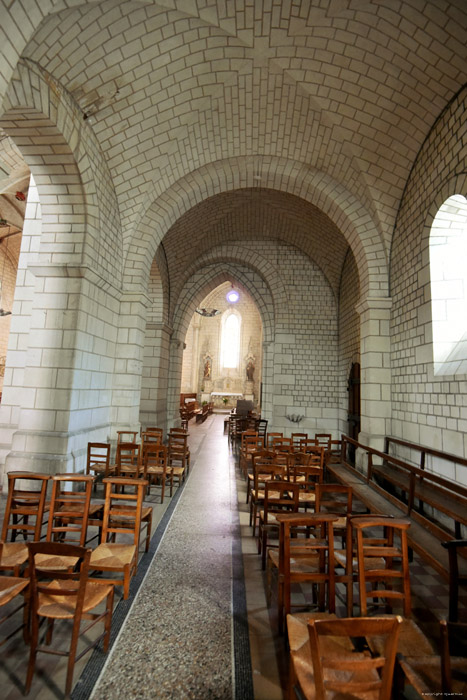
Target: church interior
x: 219, y: 216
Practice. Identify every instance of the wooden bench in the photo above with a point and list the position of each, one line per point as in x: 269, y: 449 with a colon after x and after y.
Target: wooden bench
x: 188, y: 406
x: 444, y: 496
x: 202, y: 413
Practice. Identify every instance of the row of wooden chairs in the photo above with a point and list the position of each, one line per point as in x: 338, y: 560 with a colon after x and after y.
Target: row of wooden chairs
x: 151, y: 459
x: 63, y: 560
x: 373, y: 556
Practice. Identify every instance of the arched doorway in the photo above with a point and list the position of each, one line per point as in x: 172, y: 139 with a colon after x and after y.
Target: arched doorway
x: 222, y: 357
x: 353, y: 412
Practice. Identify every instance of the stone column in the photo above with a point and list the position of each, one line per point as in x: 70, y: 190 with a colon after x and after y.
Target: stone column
x: 153, y: 410
x: 63, y: 393
x: 173, y: 390
x: 126, y: 394
x: 375, y: 362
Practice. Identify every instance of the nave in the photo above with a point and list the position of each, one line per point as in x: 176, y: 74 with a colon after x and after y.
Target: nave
x: 183, y: 633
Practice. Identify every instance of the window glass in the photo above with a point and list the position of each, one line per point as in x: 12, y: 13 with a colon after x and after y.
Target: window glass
x: 230, y: 341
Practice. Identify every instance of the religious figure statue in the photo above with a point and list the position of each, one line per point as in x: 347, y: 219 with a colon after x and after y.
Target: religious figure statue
x: 250, y: 370
x: 207, y: 369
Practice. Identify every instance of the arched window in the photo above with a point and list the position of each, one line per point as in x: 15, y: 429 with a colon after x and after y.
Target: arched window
x: 448, y: 277
x: 230, y: 341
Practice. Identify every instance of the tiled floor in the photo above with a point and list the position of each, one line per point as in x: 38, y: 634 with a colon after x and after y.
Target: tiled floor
x: 177, y: 639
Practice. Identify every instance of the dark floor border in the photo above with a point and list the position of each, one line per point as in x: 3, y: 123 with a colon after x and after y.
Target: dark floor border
x: 91, y: 672
x: 243, y: 672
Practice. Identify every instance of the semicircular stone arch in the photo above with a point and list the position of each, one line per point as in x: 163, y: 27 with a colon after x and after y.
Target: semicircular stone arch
x: 205, y: 279
x: 80, y: 221
x: 236, y: 257
x: 353, y: 221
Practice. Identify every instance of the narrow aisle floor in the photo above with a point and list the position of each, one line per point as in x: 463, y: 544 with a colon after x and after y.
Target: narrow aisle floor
x: 177, y: 640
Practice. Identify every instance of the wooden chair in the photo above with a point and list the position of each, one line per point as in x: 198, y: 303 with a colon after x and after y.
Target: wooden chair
x: 179, y: 455
x: 149, y: 439
x: 126, y: 436
x: 263, y: 429
x: 453, y: 658
x: 10, y: 588
x: 324, y: 440
x: 330, y: 664
x: 279, y: 497
x: 455, y: 578
x: 155, y: 431
x: 307, y: 444
x: 297, y: 438
x: 128, y: 460
x: 444, y: 675
x: 282, y: 444
x: 271, y: 437
x: 98, y: 460
x: 306, y: 475
x: 156, y: 469
x: 122, y: 516
x: 305, y: 555
x: 265, y: 456
x: 337, y: 499
x: 251, y: 445
x: 24, y: 514
x: 380, y: 581
x: 233, y: 428
x: 65, y: 595
x: 262, y: 473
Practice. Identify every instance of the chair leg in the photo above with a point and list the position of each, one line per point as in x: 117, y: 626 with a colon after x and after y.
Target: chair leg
x: 32, y: 653
x: 108, y: 620
x: 72, y: 656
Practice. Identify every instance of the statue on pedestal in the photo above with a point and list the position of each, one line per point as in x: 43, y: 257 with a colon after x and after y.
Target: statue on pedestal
x: 250, y: 370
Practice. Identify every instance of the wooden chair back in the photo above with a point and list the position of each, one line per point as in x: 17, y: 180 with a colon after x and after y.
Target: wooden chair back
x: 122, y: 511
x: 128, y: 459
x: 126, y: 436
x: 307, y: 444
x: 356, y: 675
x: 155, y: 431
x: 263, y: 429
x: 453, y: 658
x: 25, y: 506
x: 306, y: 554
x: 297, y: 438
x: 305, y: 475
x: 149, y: 440
x: 98, y: 457
x: 264, y: 472
x: 69, y: 508
x: 455, y: 548
x: 271, y: 437
x: 376, y: 540
x: 282, y: 444
x: 279, y: 497
x: 324, y: 439
x: 334, y: 498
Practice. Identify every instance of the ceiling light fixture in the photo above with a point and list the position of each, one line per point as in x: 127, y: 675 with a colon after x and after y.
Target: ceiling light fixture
x: 207, y: 313
x: 232, y: 296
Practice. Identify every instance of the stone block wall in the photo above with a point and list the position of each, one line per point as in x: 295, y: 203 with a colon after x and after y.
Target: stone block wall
x: 427, y: 409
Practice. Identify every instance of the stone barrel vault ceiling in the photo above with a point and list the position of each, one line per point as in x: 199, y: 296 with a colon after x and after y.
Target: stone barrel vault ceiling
x: 349, y: 89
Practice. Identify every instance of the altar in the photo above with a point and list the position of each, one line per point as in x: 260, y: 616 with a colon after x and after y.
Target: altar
x: 217, y: 398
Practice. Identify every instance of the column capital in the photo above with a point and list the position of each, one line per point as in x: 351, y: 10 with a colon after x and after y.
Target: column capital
x: 72, y: 271
x: 373, y: 304
x: 164, y: 327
